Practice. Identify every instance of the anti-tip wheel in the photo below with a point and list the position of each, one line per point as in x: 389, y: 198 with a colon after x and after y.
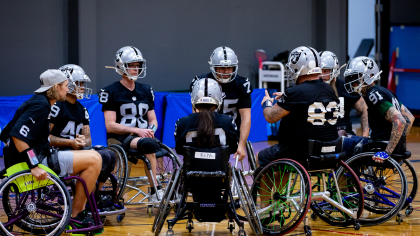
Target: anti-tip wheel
x: 150, y: 210
x: 409, y: 210
x: 314, y: 216
x: 241, y: 232
x: 120, y: 217
x: 357, y: 226
x: 307, y: 230
x: 170, y: 233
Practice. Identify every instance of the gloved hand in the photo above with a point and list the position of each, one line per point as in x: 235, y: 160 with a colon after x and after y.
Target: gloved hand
x: 380, y: 157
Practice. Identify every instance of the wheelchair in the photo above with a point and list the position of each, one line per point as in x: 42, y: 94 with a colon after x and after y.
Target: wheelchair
x: 207, y: 176
x: 41, y: 207
x: 285, y: 189
x: 390, y: 186
x: 167, y: 162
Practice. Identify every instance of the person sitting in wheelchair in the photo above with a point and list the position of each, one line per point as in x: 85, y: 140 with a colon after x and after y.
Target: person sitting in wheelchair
x: 69, y: 125
x: 129, y: 112
x: 28, y: 141
x: 389, y: 120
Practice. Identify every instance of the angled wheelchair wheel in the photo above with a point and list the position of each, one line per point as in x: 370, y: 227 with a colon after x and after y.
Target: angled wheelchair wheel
x: 346, y: 191
x: 247, y: 204
x: 384, y: 186
x: 167, y: 202
x: 282, y: 193
x: 121, y: 169
x: 165, y: 166
x: 412, y: 181
x: 34, y: 207
x: 251, y: 156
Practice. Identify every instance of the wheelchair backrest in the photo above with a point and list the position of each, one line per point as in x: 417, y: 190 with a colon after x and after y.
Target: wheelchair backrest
x: 316, y: 147
x: 206, y: 159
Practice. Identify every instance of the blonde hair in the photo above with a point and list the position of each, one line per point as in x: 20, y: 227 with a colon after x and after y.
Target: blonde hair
x: 332, y: 83
x: 52, y: 93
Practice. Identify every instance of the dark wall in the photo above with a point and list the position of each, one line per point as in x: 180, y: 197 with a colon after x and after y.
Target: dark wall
x: 404, y: 12
x: 175, y: 37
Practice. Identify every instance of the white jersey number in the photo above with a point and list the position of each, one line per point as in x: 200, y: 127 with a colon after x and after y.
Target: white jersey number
x: 218, y: 132
x: 71, y: 130
x: 229, y: 108
x: 130, y: 110
x: 341, y: 108
x: 318, y: 118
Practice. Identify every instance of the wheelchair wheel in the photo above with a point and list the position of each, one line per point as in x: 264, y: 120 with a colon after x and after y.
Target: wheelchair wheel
x: 246, y: 201
x: 412, y: 181
x: 251, y: 156
x: 37, y: 207
x: 348, y: 188
x: 384, y: 186
x: 121, y: 169
x: 166, y: 165
x: 165, y: 204
x: 282, y: 193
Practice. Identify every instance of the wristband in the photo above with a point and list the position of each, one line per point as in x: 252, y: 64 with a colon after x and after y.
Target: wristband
x: 29, y: 156
x: 267, y: 103
x: 152, y: 127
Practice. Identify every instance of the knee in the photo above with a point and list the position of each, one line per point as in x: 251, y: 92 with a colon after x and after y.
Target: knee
x: 95, y: 160
x: 147, y: 146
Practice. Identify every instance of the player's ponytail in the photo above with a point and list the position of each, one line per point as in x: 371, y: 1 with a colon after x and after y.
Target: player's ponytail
x: 205, y: 131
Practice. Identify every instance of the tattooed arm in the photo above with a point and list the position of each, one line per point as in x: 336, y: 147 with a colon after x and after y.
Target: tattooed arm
x: 361, y: 108
x: 274, y: 113
x: 409, y: 118
x: 86, y: 133
x: 398, y: 126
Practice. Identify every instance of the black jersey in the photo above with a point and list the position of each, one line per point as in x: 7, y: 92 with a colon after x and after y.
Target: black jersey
x: 313, y: 113
x: 225, y: 131
x: 131, y: 107
x: 237, y: 96
x: 31, y: 125
x: 68, y: 119
x: 347, y: 101
x: 379, y: 100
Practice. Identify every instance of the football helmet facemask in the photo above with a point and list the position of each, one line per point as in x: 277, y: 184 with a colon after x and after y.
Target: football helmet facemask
x: 78, y: 81
x: 329, y: 61
x: 303, y: 61
x: 224, y: 57
x: 207, y: 91
x: 360, y: 72
x: 127, y: 55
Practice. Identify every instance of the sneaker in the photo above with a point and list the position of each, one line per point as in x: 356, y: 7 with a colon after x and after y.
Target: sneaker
x: 85, y: 220
x: 153, y: 197
x: 104, y: 203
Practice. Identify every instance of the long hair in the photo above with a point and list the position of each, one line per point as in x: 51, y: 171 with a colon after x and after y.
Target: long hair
x: 52, y: 93
x: 205, y: 130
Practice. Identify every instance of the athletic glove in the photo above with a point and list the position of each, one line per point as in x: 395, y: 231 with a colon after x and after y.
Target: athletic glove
x: 380, y: 157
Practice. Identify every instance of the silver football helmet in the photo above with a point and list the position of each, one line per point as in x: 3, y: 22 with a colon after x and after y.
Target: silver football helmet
x: 362, y: 72
x: 303, y: 61
x: 207, y: 91
x: 78, y: 81
x: 224, y: 57
x: 329, y: 61
x: 127, y: 55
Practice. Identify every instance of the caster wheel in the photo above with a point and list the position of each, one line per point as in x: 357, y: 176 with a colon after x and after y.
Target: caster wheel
x: 170, y: 233
x: 307, y: 229
x: 190, y: 225
x: 120, y: 217
x: 150, y: 210
x: 314, y: 216
x: 357, y: 226
x: 399, y: 219
x: 231, y: 227
x: 103, y: 218
x: 408, y: 211
x: 241, y: 232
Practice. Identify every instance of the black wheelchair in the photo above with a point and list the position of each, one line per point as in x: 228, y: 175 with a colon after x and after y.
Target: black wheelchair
x: 207, y: 176
x: 284, y: 189
x: 390, y: 186
x: 167, y: 162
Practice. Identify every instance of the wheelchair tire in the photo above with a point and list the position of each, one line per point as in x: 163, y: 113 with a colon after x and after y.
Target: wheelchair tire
x: 412, y: 181
x: 351, y: 193
x: 290, y: 199
x: 121, y: 169
x: 44, y: 210
x: 165, y: 205
x: 384, y: 185
x: 251, y: 156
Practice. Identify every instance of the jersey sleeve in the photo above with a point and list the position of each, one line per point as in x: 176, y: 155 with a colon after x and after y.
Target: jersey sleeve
x: 29, y: 124
x: 86, y: 119
x: 55, y: 113
x: 107, y: 101
x: 378, y: 100
x: 245, y: 97
x: 151, y: 99
x: 179, y: 139
x: 288, y: 100
x: 231, y: 134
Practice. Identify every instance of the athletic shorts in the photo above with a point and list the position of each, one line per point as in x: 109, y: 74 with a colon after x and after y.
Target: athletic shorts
x: 65, y: 158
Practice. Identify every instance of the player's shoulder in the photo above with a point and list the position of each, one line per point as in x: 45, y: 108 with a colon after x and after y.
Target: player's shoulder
x: 243, y: 84
x: 223, y: 118
x: 204, y: 76
x: 39, y: 101
x: 80, y: 106
x: 114, y: 87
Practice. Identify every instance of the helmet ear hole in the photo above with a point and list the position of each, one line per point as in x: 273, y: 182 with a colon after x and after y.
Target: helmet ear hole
x: 311, y: 64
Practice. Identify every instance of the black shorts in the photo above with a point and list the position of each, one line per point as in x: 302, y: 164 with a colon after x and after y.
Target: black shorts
x: 279, y: 151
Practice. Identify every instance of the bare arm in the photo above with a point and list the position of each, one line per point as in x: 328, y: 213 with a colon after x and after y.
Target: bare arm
x: 361, y: 108
x: 60, y: 142
x: 398, y: 126
x: 86, y: 133
x: 151, y: 117
x: 245, y: 114
x: 274, y: 113
x: 409, y: 118
x: 37, y: 172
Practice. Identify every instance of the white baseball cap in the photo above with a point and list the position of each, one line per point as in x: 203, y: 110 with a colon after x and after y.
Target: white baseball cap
x: 49, y: 78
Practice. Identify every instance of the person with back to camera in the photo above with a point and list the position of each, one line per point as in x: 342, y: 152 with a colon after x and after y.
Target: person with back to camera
x: 69, y: 125
x: 28, y: 134
x: 129, y: 113
x: 330, y: 71
x: 307, y: 111
x: 237, y: 102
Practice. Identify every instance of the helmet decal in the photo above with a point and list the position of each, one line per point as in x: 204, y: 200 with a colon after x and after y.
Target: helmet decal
x: 295, y: 57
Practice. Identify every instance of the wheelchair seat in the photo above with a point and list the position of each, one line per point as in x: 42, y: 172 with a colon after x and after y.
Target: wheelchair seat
x: 325, y: 155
